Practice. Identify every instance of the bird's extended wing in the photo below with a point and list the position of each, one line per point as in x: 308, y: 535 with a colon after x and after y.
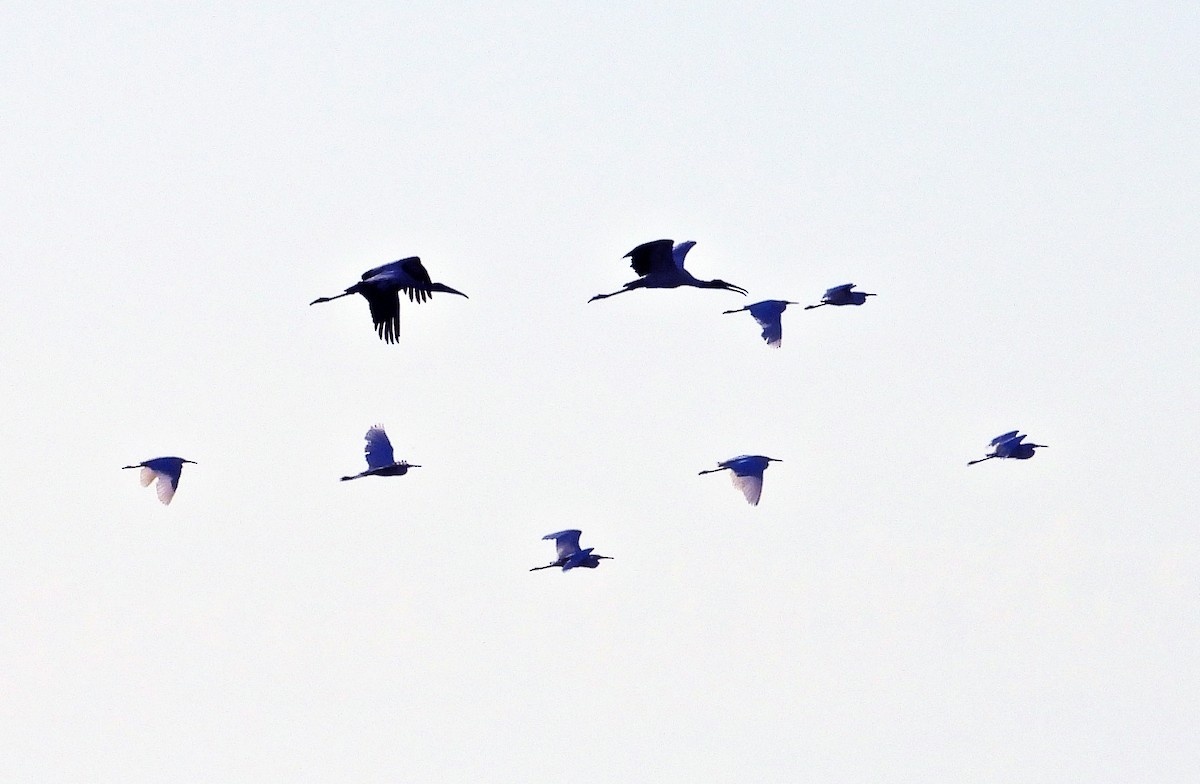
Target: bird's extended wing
x: 390, y: 267
x: 680, y: 252
x: 769, y: 314
x: 1006, y: 437
x: 750, y: 485
x: 567, y: 542
x: 385, y: 313
x: 655, y: 256
x: 415, y: 270
x: 379, y: 448
x: 838, y: 291
x: 166, y: 485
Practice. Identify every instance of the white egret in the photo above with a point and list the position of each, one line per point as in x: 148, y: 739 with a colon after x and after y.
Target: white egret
x: 569, y: 554
x: 747, y: 474
x: 166, y: 470
x: 1010, y: 446
x: 841, y: 295
x: 768, y: 314
x: 380, y: 459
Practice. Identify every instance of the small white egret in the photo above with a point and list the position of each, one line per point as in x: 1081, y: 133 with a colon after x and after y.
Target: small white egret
x: 1010, y: 446
x: 569, y: 554
x: 768, y: 314
x: 747, y: 474
x: 380, y: 459
x: 166, y: 470
x: 841, y: 295
x: 659, y: 265
x: 381, y: 288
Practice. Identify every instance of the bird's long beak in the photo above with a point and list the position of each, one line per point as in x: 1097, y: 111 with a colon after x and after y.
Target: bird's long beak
x: 446, y: 290
x: 738, y: 289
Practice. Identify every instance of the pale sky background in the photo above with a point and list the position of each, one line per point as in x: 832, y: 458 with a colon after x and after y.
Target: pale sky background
x: 1019, y: 183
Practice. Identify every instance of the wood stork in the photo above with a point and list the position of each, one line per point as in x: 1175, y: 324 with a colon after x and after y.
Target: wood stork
x: 381, y: 288
x: 747, y: 474
x: 768, y: 314
x: 1010, y: 445
x: 841, y: 295
x: 166, y: 470
x: 659, y: 265
x: 380, y: 460
x: 569, y: 554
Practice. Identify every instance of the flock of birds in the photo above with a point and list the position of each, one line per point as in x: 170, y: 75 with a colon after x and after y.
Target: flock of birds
x: 659, y: 265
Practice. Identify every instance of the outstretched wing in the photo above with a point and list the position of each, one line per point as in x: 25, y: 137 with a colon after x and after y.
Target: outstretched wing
x: 680, y: 252
x: 838, y: 291
x: 385, y: 313
x: 567, y: 542
x: 391, y: 267
x: 166, y: 486
x: 751, y: 486
x: 768, y: 314
x: 1006, y: 437
x: 379, y: 448
x: 655, y: 256
x: 418, y: 277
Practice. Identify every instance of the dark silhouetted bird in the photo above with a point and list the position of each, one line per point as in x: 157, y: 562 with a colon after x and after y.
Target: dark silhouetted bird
x: 660, y: 266
x: 381, y: 288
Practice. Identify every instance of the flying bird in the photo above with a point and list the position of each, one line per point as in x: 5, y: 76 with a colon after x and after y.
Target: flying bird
x: 381, y: 288
x: 380, y: 460
x: 841, y: 295
x: 747, y: 474
x: 659, y: 265
x: 768, y: 314
x: 1010, y: 445
x: 569, y: 554
x: 166, y: 470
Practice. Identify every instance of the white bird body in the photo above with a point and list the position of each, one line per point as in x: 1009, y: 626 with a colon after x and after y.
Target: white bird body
x: 659, y: 265
x: 166, y: 470
x: 841, y: 295
x: 768, y: 314
x: 569, y: 553
x: 1010, y: 445
x: 381, y: 460
x: 746, y: 471
x: 381, y: 287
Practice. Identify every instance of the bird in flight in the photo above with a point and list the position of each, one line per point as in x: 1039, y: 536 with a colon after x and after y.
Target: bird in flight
x: 569, y: 554
x: 381, y: 288
x: 1010, y: 445
x: 659, y: 265
x: 166, y: 470
x: 841, y: 295
x: 747, y: 474
x: 768, y: 314
x: 380, y: 460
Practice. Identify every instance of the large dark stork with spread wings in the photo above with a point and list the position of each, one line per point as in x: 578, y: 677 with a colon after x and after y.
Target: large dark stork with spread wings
x: 659, y: 265
x: 381, y: 288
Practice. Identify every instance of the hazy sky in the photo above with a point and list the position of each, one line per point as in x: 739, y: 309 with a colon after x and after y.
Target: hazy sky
x: 1017, y: 182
